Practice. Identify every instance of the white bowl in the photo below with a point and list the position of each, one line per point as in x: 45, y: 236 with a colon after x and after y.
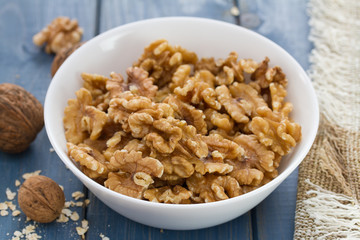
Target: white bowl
x: 118, y: 48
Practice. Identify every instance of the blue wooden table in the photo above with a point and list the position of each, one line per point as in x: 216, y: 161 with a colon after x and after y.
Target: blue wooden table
x: 22, y: 63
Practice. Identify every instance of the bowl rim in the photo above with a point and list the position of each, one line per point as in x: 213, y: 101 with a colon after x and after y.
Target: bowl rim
x: 273, y: 183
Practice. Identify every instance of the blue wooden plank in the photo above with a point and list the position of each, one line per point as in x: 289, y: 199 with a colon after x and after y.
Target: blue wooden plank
x: 103, y: 219
x: 286, y: 23
x: 275, y: 215
x: 115, y: 13
x: 24, y: 64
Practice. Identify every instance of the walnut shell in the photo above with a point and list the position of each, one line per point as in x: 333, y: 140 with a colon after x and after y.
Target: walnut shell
x: 41, y: 199
x: 62, y: 55
x: 21, y: 118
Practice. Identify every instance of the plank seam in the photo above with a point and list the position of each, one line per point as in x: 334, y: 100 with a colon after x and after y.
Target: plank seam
x: 237, y: 17
x: 97, y: 17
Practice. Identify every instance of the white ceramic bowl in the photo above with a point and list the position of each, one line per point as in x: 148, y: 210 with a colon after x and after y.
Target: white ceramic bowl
x: 117, y: 49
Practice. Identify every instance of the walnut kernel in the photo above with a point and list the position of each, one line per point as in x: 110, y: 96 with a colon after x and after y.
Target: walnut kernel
x: 178, y: 130
x: 60, y: 33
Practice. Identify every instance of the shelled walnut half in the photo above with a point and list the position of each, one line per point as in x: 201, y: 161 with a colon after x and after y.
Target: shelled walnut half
x: 60, y: 33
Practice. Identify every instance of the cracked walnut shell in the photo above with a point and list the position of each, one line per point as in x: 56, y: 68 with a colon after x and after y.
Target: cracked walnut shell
x: 21, y: 118
x: 41, y: 199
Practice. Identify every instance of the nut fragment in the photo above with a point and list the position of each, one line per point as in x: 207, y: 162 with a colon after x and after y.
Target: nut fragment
x: 123, y: 183
x: 41, y: 199
x: 140, y: 83
x: 73, y: 115
x: 90, y: 160
x: 60, y: 33
x: 168, y: 128
x: 161, y: 60
x: 21, y: 118
x: 256, y: 154
x: 238, y: 109
x: 210, y: 188
x: 219, y: 120
x: 244, y: 92
x: 177, y: 167
x: 9, y: 194
x: 280, y: 136
x: 229, y: 149
x: 166, y: 194
x: 133, y: 161
x: 187, y: 112
x: 263, y: 75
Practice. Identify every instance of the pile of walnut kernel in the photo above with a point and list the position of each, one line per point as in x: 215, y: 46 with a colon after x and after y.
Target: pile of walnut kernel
x: 182, y: 130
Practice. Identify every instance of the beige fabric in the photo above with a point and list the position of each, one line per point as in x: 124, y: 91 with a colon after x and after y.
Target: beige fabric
x: 329, y: 178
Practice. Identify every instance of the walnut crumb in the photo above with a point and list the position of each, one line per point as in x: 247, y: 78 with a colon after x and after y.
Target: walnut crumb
x: 74, y: 216
x: 15, y: 213
x: 3, y: 206
x: 77, y: 195
x: 69, y: 204
x: 83, y: 229
x: 103, y: 237
x: 9, y: 194
x: 10, y: 205
x: 27, y: 233
x: 4, y: 213
x: 62, y: 218
x: 235, y: 11
x: 30, y: 174
x: 17, y: 183
x: 17, y: 233
x: 67, y: 212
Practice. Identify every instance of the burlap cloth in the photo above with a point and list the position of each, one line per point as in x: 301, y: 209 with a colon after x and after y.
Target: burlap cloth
x: 328, y: 195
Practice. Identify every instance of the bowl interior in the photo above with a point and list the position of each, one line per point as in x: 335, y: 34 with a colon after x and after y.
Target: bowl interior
x: 117, y: 49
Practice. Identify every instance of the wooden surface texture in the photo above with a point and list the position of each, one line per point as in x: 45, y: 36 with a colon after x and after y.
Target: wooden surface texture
x: 22, y: 63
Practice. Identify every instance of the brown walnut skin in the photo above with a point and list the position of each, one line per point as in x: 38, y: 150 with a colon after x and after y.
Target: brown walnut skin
x: 62, y: 55
x: 41, y: 199
x: 21, y: 118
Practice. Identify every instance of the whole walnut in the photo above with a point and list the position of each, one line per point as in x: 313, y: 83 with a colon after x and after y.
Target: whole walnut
x: 41, y: 199
x: 21, y: 118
